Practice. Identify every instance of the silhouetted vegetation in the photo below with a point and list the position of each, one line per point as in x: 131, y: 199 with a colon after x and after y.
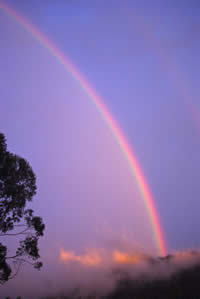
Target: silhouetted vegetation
x: 183, y: 284
x: 17, y: 188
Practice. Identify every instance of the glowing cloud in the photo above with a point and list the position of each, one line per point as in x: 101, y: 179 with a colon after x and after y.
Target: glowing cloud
x: 97, y: 257
x: 90, y: 259
x: 126, y: 258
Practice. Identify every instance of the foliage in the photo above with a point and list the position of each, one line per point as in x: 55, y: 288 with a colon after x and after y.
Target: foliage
x: 183, y: 284
x: 17, y: 188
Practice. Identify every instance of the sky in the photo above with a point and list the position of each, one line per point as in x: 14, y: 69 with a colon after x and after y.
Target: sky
x: 142, y: 60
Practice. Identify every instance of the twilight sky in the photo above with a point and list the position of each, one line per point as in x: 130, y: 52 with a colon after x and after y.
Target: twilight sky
x: 143, y: 60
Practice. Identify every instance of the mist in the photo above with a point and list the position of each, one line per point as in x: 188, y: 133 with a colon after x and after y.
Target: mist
x: 99, y: 272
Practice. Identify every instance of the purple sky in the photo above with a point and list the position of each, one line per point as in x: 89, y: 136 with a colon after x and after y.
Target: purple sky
x: 143, y: 60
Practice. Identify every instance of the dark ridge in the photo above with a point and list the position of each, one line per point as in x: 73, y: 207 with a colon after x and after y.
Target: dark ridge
x: 183, y: 284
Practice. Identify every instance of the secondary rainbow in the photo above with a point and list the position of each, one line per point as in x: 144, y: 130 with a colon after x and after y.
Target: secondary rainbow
x: 107, y: 116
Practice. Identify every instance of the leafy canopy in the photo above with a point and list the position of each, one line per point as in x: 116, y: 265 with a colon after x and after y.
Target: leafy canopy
x: 17, y: 188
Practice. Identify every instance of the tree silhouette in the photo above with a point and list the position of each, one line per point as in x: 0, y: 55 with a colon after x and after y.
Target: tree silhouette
x: 17, y: 188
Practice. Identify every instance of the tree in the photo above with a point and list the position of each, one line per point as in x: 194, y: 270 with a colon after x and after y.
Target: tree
x: 17, y: 188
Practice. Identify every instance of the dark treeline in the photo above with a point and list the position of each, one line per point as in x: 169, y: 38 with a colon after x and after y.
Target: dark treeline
x: 184, y: 284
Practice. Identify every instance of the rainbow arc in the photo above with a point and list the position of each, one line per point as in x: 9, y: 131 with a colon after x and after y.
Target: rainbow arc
x: 108, y: 118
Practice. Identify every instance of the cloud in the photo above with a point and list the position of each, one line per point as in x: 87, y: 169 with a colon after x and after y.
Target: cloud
x: 127, y: 258
x: 89, y: 259
x: 132, y: 262
x: 98, y: 271
x: 102, y: 258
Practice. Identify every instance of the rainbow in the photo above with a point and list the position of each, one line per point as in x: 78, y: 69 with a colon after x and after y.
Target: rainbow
x: 108, y: 118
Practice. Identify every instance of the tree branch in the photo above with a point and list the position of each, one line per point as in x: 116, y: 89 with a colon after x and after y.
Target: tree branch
x: 12, y: 257
x: 18, y: 268
x: 25, y: 261
x: 16, y: 234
